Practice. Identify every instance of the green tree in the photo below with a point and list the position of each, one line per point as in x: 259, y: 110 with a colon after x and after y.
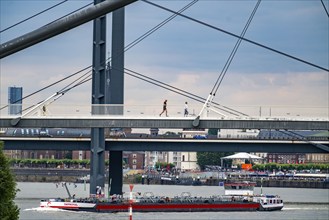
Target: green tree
x: 68, y: 155
x: 213, y: 131
x: 211, y: 158
x: 163, y: 165
x: 8, y: 209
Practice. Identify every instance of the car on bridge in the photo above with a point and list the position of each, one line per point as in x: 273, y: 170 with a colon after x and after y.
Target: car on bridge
x: 199, y: 136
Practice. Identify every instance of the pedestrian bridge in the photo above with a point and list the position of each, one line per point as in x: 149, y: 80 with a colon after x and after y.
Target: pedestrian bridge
x: 147, y: 116
x: 100, y: 121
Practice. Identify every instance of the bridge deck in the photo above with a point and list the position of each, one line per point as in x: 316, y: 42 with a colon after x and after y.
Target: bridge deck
x: 158, y: 122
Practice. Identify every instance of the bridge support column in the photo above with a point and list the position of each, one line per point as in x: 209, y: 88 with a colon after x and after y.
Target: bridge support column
x: 97, y: 160
x: 115, y: 174
x: 117, y: 94
x: 97, y: 148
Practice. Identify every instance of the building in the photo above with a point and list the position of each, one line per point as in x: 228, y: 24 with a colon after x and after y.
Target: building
x: 175, y: 158
x: 189, y: 161
x: 317, y: 158
x: 135, y: 160
x: 152, y: 157
x: 286, y: 158
x: 15, y: 95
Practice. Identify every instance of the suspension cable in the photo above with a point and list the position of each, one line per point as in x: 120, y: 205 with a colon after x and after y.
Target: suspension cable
x: 129, y: 46
x: 70, y: 13
x: 84, y: 79
x: 234, y: 35
x: 77, y: 81
x: 157, y: 27
x: 189, y: 94
x: 235, y: 49
x: 46, y: 87
x: 39, y: 13
x: 177, y: 91
x: 325, y: 9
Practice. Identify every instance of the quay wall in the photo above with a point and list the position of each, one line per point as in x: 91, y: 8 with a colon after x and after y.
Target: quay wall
x: 285, y: 183
x: 73, y: 175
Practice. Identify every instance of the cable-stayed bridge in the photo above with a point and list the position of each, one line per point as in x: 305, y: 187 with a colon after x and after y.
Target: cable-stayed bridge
x: 113, y: 93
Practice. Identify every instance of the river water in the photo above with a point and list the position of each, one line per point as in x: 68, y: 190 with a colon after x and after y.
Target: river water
x: 29, y: 196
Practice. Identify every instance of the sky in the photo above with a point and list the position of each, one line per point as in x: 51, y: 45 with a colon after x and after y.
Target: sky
x: 184, y: 54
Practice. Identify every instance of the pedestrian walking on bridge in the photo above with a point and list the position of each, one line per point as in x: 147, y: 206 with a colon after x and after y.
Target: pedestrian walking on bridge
x: 185, y: 110
x: 164, y: 108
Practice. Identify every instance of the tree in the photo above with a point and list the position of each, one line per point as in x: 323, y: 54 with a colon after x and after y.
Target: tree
x: 8, y: 209
x: 163, y: 165
x: 213, y: 132
x: 210, y: 158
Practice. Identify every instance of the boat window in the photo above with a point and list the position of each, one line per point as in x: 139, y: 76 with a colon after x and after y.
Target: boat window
x: 270, y: 200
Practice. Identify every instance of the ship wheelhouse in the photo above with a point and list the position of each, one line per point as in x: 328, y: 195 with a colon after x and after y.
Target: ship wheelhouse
x: 239, y: 188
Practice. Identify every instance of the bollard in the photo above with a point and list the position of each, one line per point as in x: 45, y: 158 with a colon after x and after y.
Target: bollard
x: 130, y: 202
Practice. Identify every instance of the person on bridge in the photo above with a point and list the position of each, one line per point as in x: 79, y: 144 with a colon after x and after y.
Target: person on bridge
x: 164, y: 109
x: 185, y: 110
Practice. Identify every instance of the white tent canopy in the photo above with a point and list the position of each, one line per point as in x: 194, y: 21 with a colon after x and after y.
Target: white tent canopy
x: 242, y: 155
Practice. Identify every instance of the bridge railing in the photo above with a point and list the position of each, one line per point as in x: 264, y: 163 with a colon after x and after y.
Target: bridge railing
x: 174, y: 110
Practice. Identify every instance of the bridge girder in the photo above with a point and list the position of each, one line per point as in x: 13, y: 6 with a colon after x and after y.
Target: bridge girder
x: 174, y: 123
x: 191, y: 145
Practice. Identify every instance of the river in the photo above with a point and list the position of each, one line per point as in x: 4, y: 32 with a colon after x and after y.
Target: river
x: 29, y: 196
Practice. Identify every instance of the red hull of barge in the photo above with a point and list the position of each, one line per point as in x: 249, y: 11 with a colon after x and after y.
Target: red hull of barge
x: 162, y: 207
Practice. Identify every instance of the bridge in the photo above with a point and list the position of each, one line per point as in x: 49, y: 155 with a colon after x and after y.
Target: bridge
x: 171, y: 144
x: 107, y: 121
x: 113, y: 93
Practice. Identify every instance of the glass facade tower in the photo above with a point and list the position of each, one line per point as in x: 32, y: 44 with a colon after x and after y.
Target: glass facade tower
x: 15, y: 100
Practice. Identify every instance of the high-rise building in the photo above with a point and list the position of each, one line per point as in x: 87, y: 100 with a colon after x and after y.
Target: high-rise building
x: 15, y: 95
x: 14, y: 108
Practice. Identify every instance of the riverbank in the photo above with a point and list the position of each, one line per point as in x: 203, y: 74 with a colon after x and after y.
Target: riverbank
x: 74, y: 175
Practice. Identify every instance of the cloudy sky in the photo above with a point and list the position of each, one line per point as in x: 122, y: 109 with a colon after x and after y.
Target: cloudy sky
x: 185, y: 54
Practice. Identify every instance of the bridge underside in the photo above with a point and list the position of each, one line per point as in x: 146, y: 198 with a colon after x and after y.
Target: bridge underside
x: 156, y: 145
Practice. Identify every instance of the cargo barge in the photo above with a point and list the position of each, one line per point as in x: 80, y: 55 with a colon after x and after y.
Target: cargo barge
x: 238, y: 197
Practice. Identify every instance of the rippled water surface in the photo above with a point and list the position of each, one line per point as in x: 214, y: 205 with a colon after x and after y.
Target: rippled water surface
x: 29, y: 197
